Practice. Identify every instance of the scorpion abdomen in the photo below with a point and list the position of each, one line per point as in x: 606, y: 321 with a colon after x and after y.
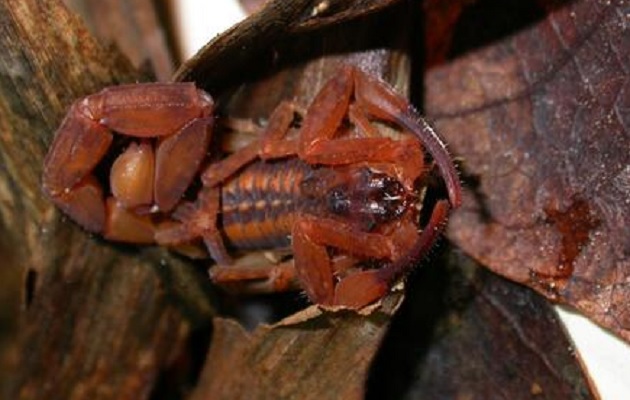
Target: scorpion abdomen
x: 258, y: 205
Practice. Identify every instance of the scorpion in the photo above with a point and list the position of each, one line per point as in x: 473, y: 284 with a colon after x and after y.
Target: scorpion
x: 343, y: 197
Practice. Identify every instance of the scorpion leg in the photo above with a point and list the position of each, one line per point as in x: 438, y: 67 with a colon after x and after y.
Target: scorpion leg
x: 316, y: 276
x: 318, y: 145
x: 355, y: 289
x: 372, y: 98
x: 313, y: 265
x: 364, y: 287
x: 85, y: 136
x: 267, y: 278
x: 270, y: 145
x: 361, y: 121
x: 380, y: 101
x: 197, y: 220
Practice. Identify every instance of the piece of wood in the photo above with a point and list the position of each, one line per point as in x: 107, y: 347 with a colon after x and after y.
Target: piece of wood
x: 97, y: 321
x: 312, y: 355
x: 135, y: 28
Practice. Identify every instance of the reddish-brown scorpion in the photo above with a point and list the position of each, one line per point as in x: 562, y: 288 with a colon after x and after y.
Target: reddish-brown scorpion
x: 344, y: 197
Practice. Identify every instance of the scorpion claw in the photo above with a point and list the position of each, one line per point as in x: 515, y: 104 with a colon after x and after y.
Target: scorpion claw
x: 360, y: 289
x: 175, y: 116
x: 126, y: 226
x: 84, y: 204
x: 79, y: 145
x: 177, y: 161
x: 131, y: 177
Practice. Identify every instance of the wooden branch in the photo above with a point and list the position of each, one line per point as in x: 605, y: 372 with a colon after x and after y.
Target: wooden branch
x: 135, y: 28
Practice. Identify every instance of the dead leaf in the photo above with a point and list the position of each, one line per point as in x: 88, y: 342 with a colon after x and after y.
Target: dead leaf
x: 252, y: 47
x: 540, y: 119
x: 317, y: 356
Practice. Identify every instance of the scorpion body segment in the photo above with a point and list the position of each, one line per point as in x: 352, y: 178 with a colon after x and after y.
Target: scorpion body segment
x: 260, y: 205
x: 347, y: 201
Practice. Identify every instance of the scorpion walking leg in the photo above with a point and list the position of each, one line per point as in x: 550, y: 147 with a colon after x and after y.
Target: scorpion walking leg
x: 267, y: 147
x: 267, y: 278
x: 314, y: 268
x: 278, y: 277
x: 318, y: 145
x: 197, y: 220
x: 313, y: 264
x: 402, y: 248
x: 380, y: 101
x: 364, y: 287
x: 373, y: 99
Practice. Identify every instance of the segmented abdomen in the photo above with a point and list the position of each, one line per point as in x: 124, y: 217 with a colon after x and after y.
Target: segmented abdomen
x: 258, y: 205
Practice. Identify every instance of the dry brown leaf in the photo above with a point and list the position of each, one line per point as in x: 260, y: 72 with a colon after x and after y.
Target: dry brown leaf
x: 541, y: 120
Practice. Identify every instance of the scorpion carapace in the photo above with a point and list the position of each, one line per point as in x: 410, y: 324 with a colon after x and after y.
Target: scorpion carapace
x: 343, y: 197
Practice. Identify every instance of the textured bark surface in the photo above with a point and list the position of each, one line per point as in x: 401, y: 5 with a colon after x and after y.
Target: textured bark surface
x: 97, y: 321
x: 323, y: 356
x: 135, y: 28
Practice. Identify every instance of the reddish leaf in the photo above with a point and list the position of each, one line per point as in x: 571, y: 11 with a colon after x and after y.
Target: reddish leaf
x: 541, y: 120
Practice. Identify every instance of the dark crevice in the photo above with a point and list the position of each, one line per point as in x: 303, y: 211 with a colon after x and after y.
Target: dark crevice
x: 30, y: 283
x: 413, y: 329
x: 181, y: 376
x: 489, y: 21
